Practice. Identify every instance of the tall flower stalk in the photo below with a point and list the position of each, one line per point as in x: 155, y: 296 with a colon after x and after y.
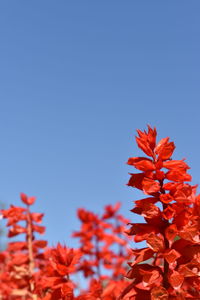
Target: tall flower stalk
x: 169, y: 266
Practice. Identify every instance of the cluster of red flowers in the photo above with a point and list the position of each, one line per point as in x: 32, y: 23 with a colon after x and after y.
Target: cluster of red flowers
x: 167, y: 268
x: 29, y: 269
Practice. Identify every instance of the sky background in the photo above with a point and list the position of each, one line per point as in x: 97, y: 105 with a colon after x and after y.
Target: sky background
x: 77, y: 78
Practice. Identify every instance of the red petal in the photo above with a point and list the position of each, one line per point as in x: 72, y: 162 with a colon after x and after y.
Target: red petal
x: 171, y: 232
x: 159, y: 293
x: 171, y: 255
x: 27, y: 200
x: 176, y: 279
x: 136, y: 180
x: 178, y: 175
x: 165, y: 149
x: 24, y: 198
x: 143, y: 145
x: 168, y: 213
x: 166, y: 198
x: 175, y: 164
x: 150, y: 186
x: 156, y: 242
x: 141, y: 163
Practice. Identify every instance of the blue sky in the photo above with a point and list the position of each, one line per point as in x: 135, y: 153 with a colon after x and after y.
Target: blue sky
x: 77, y: 78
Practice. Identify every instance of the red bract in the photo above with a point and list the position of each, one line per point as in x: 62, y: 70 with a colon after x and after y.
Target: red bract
x: 27, y: 200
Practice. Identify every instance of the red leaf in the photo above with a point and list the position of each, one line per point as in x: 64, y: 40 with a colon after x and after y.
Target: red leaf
x: 27, y: 200
x: 165, y: 149
x: 175, y: 164
x: 150, y: 186
x: 141, y: 163
x: 39, y: 229
x: 178, y: 175
x: 136, y: 180
x: 143, y: 145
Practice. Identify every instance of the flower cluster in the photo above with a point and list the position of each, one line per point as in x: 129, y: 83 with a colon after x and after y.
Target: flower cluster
x: 29, y: 269
x: 169, y: 266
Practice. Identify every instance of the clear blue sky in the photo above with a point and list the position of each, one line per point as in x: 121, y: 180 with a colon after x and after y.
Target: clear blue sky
x: 76, y: 80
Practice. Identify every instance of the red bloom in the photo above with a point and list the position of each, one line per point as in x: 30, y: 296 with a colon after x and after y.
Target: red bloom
x: 27, y: 200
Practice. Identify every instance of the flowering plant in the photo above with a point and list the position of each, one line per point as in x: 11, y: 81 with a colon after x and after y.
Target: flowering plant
x: 168, y: 267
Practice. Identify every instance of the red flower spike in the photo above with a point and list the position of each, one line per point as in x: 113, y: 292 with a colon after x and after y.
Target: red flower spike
x: 164, y: 150
x: 24, y: 257
x: 160, y: 146
x: 172, y: 231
